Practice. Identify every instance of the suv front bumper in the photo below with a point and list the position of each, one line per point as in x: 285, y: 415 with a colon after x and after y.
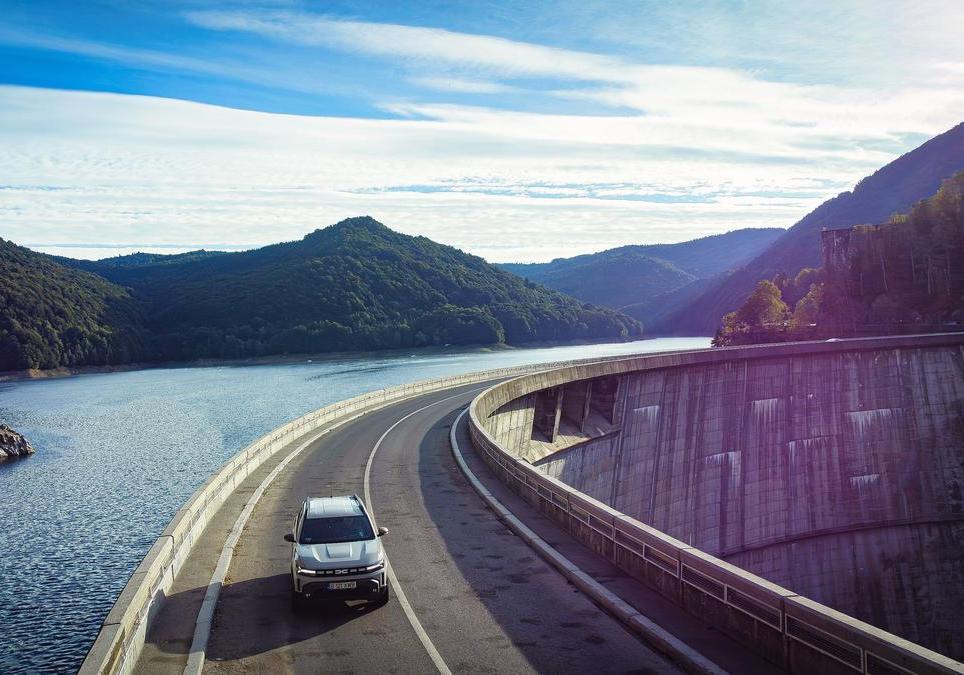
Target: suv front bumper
x: 365, y: 586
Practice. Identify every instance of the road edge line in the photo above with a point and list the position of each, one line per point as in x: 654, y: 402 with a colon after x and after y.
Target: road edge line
x: 205, y: 616
x: 407, y: 608
x: 651, y: 633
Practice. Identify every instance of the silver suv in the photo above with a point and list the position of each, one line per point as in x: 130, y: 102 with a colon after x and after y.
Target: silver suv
x: 336, y: 552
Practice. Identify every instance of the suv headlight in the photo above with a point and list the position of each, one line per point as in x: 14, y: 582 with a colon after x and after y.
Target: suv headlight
x: 377, y: 566
x: 306, y: 572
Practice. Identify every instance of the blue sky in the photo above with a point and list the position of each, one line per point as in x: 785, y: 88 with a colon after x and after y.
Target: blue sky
x: 518, y: 131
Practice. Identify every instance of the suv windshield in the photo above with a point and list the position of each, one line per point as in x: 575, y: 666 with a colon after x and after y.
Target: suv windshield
x: 335, y: 530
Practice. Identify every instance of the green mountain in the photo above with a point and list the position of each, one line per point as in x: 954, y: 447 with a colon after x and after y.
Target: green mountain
x: 356, y: 285
x: 52, y: 315
x: 892, y: 189
x: 643, y: 281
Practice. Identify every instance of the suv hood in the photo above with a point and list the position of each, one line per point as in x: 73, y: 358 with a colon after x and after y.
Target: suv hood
x: 351, y: 553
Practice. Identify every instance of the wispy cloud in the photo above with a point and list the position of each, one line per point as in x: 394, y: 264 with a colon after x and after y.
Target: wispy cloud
x: 455, y: 84
x: 675, y: 104
x: 433, y: 46
x: 160, y: 61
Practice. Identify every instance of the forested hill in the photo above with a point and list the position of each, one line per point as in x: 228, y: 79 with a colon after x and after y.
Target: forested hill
x: 135, y: 260
x: 892, y: 189
x: 632, y: 278
x: 52, y: 315
x: 356, y: 285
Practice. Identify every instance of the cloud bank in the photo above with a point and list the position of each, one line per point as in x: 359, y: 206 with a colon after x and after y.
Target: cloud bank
x: 671, y: 152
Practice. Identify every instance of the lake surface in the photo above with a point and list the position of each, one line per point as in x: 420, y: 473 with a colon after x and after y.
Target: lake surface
x: 119, y: 453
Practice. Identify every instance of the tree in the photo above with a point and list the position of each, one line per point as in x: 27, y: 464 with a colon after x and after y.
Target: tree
x: 764, y: 307
x: 764, y: 310
x: 807, y: 311
x: 801, y: 285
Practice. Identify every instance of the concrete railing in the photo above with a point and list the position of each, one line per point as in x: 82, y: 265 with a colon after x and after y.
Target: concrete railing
x: 787, y: 629
x: 121, y: 637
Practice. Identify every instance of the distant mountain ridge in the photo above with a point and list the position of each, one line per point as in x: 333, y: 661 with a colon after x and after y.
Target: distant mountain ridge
x: 611, y: 278
x: 892, y: 189
x: 355, y: 285
x: 633, y: 278
x: 139, y: 259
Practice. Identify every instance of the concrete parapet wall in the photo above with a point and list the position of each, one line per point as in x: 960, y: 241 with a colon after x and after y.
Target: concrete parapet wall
x: 832, y: 468
x: 910, y: 573
x: 121, y: 637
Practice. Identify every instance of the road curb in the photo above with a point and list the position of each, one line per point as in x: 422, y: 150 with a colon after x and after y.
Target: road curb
x: 660, y: 639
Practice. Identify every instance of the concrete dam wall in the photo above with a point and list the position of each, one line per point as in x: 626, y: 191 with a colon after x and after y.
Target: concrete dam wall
x: 833, y: 469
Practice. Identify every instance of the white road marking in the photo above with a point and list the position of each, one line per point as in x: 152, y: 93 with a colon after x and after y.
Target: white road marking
x: 202, y: 627
x: 205, y: 617
x: 399, y: 593
x: 655, y: 635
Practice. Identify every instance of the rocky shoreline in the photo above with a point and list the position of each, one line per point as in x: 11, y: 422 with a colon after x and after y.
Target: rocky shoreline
x: 13, y: 444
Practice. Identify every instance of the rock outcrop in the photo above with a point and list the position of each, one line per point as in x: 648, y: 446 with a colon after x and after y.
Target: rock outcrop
x: 13, y: 444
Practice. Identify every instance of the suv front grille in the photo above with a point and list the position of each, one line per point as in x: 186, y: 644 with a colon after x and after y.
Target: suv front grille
x: 340, y: 572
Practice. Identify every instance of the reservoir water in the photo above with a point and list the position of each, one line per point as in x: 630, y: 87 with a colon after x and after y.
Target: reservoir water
x: 119, y: 453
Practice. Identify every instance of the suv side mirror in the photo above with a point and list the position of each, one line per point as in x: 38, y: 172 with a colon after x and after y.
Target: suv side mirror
x: 289, y: 537
x: 382, y: 531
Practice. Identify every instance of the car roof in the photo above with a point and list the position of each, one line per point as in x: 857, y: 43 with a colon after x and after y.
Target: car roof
x: 329, y: 507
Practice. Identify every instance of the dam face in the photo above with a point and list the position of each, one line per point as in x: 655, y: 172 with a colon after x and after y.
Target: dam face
x: 834, y: 471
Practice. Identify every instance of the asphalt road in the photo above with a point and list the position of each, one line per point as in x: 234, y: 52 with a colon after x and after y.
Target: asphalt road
x: 484, y: 599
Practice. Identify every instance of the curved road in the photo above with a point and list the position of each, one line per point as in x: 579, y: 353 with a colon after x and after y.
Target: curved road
x: 485, y: 600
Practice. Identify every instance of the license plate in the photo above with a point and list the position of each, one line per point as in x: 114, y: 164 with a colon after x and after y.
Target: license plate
x: 342, y: 585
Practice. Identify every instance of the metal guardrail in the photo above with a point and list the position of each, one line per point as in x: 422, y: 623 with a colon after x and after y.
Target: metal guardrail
x: 792, y: 631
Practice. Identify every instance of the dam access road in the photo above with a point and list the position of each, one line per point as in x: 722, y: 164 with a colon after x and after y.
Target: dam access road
x: 474, y: 593
x: 475, y: 524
